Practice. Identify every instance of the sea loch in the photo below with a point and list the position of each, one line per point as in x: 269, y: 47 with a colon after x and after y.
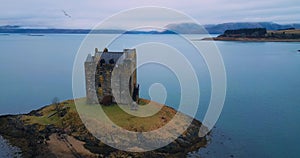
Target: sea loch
x: 260, y: 115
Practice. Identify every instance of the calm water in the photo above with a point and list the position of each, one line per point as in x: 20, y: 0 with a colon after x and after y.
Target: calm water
x: 8, y: 150
x: 262, y: 109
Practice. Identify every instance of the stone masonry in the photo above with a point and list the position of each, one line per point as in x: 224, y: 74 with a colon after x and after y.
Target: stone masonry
x: 111, y: 77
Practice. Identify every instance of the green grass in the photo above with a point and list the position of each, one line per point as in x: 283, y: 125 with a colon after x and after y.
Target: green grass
x: 124, y: 119
x: 121, y: 118
x: 47, y: 111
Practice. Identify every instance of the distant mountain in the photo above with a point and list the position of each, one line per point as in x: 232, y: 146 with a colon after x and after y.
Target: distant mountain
x: 220, y: 28
x: 18, y: 29
x: 150, y: 32
x: 5, y: 29
x: 186, y: 28
x: 9, y: 27
x: 183, y: 28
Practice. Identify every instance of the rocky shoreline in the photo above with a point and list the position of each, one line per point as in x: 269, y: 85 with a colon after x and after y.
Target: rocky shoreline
x: 243, y: 39
x: 7, y: 150
x: 258, y: 35
x: 36, y: 139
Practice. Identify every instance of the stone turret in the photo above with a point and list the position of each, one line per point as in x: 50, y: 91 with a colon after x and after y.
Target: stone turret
x: 100, y: 86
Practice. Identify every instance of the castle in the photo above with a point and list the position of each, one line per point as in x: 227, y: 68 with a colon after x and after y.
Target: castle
x: 111, y: 77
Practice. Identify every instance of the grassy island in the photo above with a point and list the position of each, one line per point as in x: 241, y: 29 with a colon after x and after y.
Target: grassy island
x: 57, y: 131
x: 259, y: 35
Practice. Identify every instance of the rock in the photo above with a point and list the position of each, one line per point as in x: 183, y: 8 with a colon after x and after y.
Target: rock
x: 32, y: 138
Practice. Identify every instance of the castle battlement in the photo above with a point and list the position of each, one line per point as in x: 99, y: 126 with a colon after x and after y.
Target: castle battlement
x: 101, y: 84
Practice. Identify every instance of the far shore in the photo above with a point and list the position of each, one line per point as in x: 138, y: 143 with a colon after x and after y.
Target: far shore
x: 248, y: 39
x: 258, y: 35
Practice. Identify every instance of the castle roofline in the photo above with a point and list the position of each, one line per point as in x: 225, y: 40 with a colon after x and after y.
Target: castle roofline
x: 112, y: 52
x: 107, y: 55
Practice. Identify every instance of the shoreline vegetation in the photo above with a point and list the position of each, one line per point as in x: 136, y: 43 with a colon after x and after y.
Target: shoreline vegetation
x: 56, y: 130
x: 259, y: 35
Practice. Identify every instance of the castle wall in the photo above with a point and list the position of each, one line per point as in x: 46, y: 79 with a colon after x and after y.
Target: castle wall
x: 90, y: 69
x: 99, y: 81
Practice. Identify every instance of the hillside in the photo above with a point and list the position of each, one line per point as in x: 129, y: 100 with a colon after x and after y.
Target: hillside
x: 221, y: 28
x: 49, y: 132
x: 186, y: 28
x: 182, y: 28
x: 259, y: 35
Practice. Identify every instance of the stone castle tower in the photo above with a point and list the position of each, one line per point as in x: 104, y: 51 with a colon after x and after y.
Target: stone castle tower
x: 108, y: 73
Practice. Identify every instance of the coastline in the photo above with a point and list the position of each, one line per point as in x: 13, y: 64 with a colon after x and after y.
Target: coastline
x: 8, y: 150
x: 36, y: 139
x: 258, y: 35
x: 242, y: 39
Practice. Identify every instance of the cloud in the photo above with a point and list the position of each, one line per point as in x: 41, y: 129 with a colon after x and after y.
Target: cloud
x: 85, y: 14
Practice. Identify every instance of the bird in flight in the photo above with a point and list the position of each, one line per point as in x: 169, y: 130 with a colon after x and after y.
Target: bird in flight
x: 66, y: 14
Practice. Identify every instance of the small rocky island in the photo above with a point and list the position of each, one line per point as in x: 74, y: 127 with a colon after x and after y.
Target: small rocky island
x: 56, y: 130
x: 59, y: 130
x: 259, y: 35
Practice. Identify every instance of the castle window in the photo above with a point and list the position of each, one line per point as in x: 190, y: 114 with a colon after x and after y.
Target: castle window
x: 112, y: 61
x: 102, y: 61
x: 105, y: 50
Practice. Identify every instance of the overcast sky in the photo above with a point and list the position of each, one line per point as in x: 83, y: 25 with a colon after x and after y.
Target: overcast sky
x: 87, y: 13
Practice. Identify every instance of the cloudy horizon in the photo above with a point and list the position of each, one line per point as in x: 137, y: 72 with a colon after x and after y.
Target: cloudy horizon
x: 86, y: 14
